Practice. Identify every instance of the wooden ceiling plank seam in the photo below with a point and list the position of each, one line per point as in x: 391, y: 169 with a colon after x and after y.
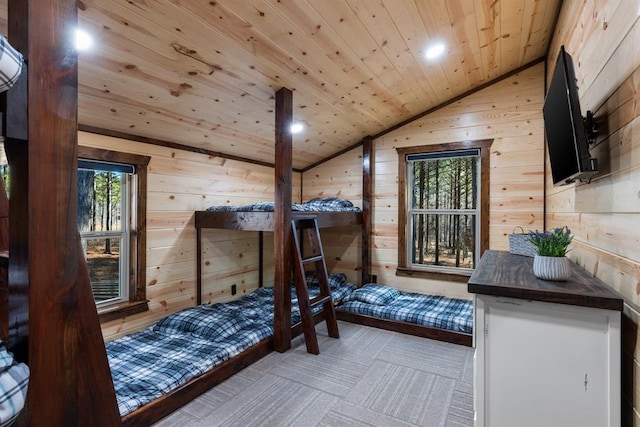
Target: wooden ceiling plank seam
x: 158, y: 111
x: 323, y: 35
x: 229, y: 134
x: 354, y: 83
x: 293, y: 43
x: 465, y: 30
x: 438, y: 25
x: 417, y: 35
x: 382, y: 28
x: 488, y: 34
x: 510, y: 25
x: 126, y: 36
x: 529, y: 26
x: 341, y: 19
x: 265, y: 49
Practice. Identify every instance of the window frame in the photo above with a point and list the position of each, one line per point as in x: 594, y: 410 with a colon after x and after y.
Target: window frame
x: 404, y: 267
x: 137, y: 301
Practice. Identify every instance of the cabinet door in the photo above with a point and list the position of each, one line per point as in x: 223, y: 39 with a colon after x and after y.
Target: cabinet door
x: 548, y: 364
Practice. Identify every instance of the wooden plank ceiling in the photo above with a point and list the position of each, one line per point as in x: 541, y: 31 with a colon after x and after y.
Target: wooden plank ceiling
x: 203, y: 73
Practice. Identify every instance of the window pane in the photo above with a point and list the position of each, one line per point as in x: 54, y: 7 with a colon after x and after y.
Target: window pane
x: 444, y: 183
x: 103, y: 260
x: 444, y: 240
x: 99, y: 201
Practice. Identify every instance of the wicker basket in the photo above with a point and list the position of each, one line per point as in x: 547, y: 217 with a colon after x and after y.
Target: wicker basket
x: 519, y: 243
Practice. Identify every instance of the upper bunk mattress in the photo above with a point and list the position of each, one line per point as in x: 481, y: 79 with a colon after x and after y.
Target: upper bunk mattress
x: 321, y: 204
x: 330, y: 212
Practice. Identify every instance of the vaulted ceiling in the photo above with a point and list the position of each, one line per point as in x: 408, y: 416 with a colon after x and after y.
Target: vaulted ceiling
x: 203, y: 73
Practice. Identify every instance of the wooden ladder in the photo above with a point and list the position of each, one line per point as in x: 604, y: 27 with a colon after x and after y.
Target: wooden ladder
x: 310, y: 225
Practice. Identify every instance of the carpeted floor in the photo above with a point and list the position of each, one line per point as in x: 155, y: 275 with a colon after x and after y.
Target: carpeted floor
x: 368, y: 377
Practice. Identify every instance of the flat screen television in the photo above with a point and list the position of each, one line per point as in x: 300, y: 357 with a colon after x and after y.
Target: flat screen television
x: 568, y: 133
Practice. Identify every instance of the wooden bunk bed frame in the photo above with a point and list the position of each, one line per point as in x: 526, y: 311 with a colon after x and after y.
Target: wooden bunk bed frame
x: 407, y: 328
x: 51, y: 307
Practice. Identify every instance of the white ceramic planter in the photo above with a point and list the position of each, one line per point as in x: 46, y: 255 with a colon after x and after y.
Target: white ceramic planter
x: 552, y: 268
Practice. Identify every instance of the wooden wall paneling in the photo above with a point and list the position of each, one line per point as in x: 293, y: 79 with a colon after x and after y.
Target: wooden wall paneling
x: 603, y: 215
x: 282, y: 222
x: 180, y: 182
x: 607, y: 25
x: 513, y: 118
x: 341, y: 176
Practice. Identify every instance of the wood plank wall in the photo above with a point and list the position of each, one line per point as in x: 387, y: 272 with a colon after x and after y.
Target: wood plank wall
x: 339, y: 177
x: 510, y: 112
x: 603, y: 38
x: 180, y: 183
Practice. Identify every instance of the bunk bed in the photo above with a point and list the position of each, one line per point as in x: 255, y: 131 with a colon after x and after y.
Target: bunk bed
x: 329, y: 211
x: 259, y: 336
x: 429, y: 316
x: 150, y: 365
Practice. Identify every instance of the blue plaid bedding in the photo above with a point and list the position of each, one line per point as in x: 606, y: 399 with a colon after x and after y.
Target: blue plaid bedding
x: 147, y: 364
x: 435, y: 311
x: 322, y: 204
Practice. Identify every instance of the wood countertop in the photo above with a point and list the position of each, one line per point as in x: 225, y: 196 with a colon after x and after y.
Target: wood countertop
x: 501, y: 273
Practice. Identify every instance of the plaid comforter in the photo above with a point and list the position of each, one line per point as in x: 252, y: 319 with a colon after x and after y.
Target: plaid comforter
x: 147, y: 364
x: 324, y: 204
x: 384, y: 302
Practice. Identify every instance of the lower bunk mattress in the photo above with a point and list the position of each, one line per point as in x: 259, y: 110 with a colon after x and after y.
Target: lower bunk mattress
x: 384, y: 302
x: 150, y: 363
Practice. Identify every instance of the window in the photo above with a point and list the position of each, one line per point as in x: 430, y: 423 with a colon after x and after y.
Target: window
x: 111, y: 221
x: 443, y: 209
x: 104, y: 200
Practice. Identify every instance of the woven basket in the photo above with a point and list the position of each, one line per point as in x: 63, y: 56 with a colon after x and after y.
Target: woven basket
x: 519, y: 243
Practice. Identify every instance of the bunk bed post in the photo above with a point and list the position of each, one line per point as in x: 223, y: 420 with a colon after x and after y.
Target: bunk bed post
x: 70, y: 382
x: 4, y: 263
x: 282, y: 221
x: 367, y: 192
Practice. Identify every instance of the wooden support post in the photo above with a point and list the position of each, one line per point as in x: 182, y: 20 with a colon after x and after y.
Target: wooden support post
x: 367, y: 217
x: 4, y: 263
x: 70, y: 383
x: 282, y: 221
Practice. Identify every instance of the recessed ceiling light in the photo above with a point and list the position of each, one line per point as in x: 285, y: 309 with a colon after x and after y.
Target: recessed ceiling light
x: 83, y: 40
x: 435, y: 51
x: 297, y: 127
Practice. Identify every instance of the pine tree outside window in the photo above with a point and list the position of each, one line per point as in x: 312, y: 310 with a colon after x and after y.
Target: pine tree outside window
x: 104, y: 213
x: 443, y: 209
x: 112, y: 212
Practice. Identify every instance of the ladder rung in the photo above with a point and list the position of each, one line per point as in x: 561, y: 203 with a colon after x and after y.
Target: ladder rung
x: 319, y: 300
x: 306, y: 303
x: 312, y: 259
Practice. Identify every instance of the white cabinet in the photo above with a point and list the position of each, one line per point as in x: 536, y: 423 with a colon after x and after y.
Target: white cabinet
x: 546, y: 353
x: 546, y: 364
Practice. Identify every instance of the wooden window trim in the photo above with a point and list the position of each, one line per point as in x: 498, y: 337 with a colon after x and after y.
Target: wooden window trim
x: 484, y: 146
x: 138, y: 239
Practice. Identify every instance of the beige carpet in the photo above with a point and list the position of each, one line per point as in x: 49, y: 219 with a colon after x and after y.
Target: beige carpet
x: 368, y: 377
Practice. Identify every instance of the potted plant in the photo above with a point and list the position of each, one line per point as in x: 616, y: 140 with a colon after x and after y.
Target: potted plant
x: 550, y: 261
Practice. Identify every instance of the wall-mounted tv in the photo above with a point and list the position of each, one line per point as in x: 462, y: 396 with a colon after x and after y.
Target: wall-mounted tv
x: 568, y: 133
